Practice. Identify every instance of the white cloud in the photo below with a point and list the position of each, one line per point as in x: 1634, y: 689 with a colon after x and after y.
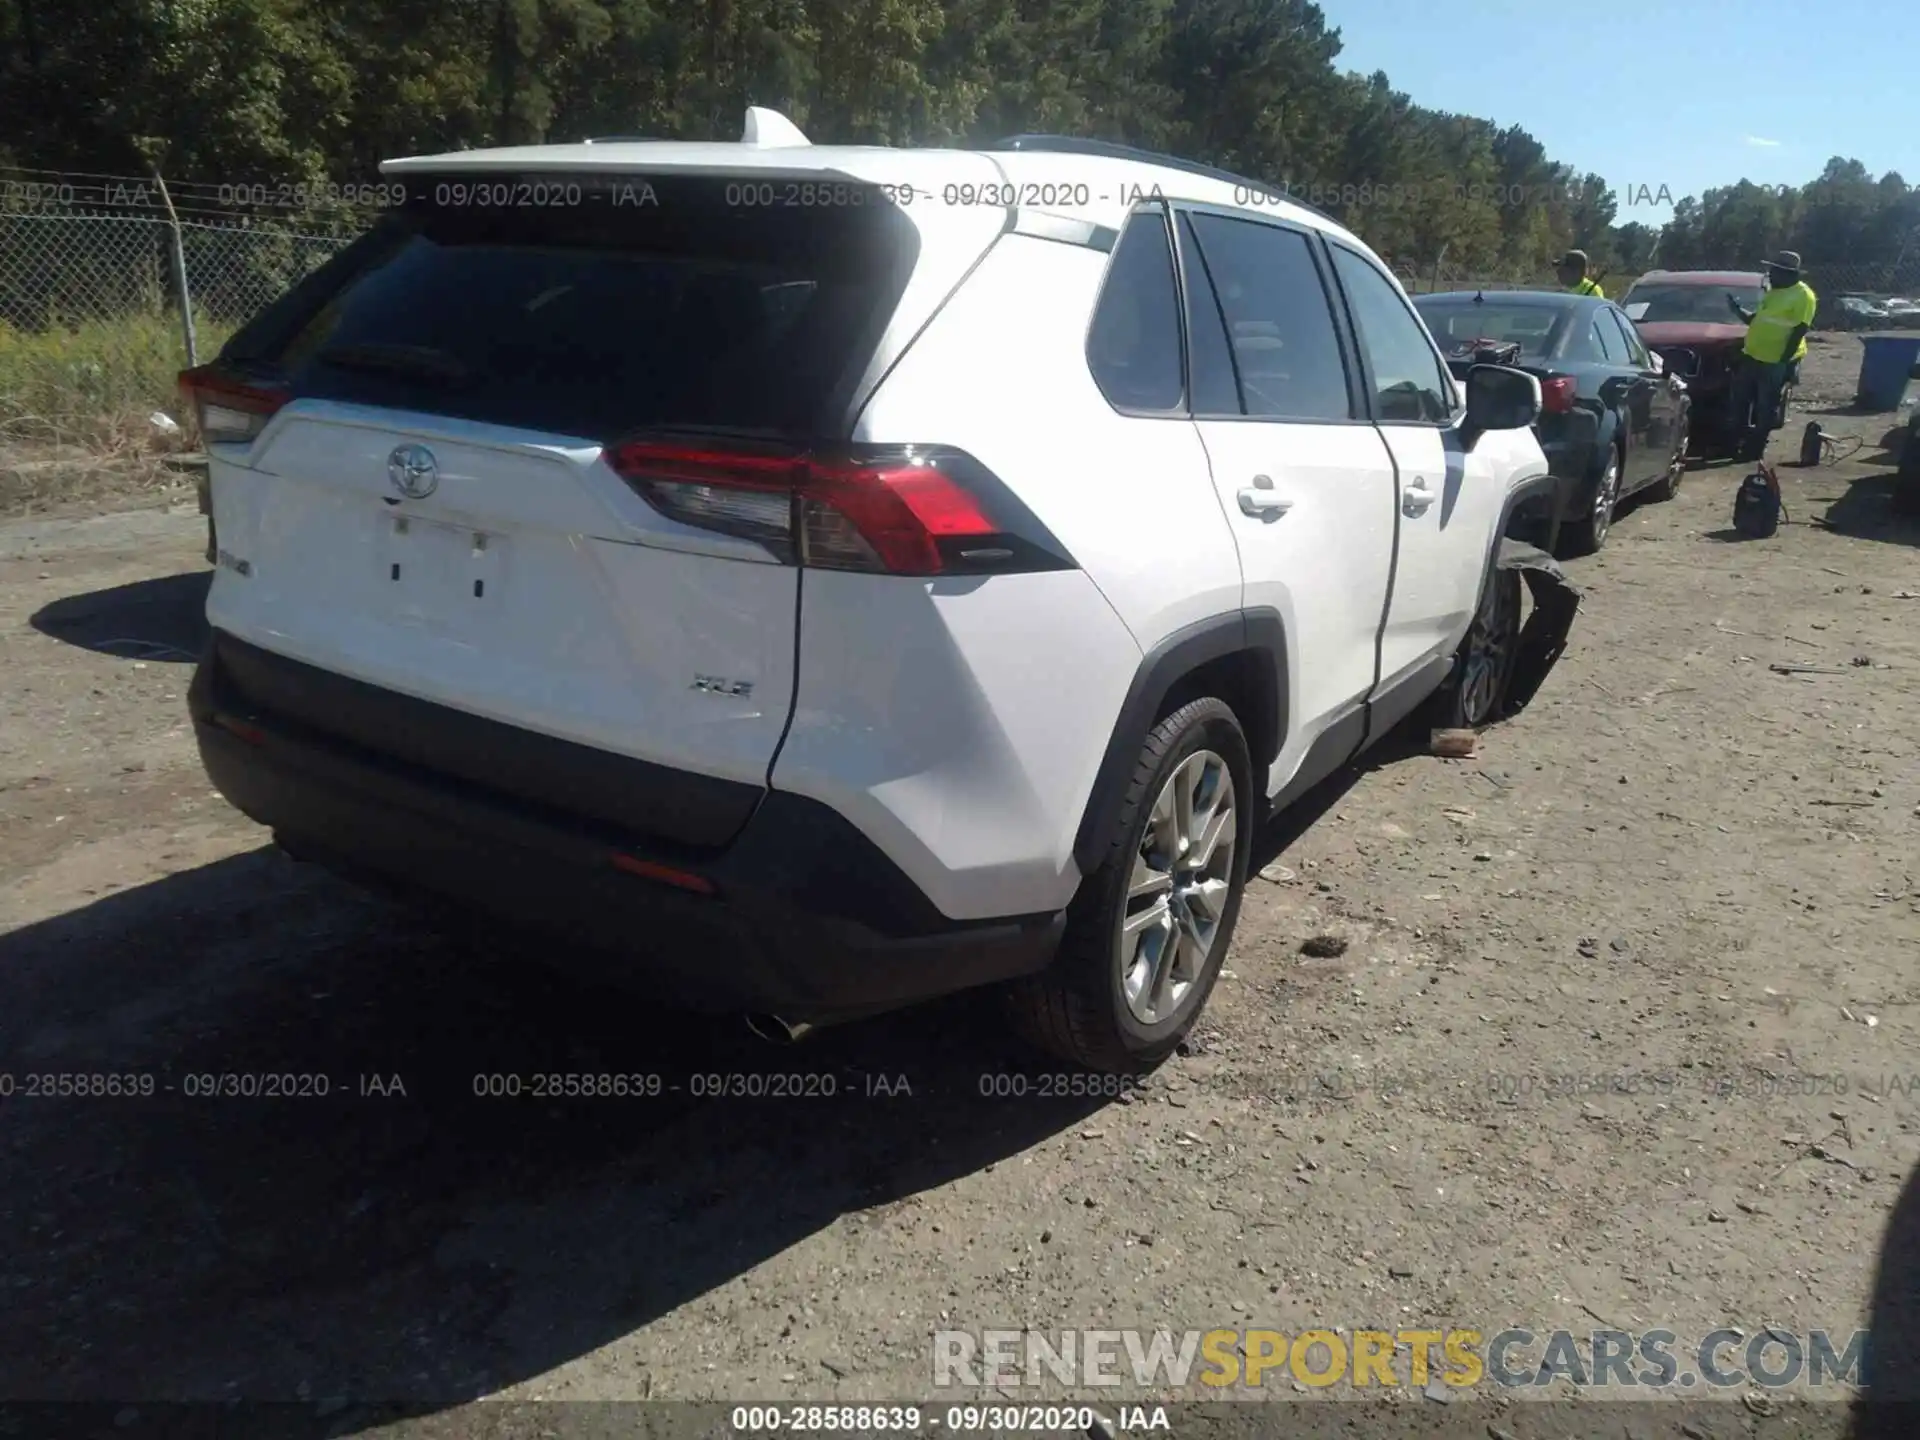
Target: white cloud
x: 1763, y: 142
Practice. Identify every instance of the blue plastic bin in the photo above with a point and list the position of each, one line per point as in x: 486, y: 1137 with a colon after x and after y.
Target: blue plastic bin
x: 1885, y: 368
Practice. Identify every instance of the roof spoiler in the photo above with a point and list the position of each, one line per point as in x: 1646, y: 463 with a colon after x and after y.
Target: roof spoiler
x: 765, y: 129
x: 770, y: 129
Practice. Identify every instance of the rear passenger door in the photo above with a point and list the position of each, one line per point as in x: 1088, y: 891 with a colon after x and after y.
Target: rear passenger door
x: 1450, y: 498
x: 1650, y: 401
x: 1304, y: 479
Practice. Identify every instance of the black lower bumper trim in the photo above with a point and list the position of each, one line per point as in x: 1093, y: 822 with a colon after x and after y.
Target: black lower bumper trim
x: 808, y: 919
x: 693, y: 812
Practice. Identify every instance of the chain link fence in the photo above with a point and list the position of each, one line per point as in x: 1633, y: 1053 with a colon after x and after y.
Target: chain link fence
x: 102, y: 281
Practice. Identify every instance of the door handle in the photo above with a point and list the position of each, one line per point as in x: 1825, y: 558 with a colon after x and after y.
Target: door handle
x: 1259, y: 498
x: 1415, y: 498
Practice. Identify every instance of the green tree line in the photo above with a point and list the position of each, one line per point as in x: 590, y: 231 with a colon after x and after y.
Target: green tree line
x: 246, y: 91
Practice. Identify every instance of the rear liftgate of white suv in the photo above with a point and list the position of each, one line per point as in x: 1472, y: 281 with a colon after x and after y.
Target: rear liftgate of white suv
x: 554, y: 468
x: 473, y: 460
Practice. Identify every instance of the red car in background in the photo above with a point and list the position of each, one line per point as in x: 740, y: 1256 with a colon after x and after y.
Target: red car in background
x: 1684, y: 317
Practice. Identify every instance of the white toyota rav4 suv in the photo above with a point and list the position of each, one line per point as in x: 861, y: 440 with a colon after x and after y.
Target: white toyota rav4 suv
x: 816, y: 579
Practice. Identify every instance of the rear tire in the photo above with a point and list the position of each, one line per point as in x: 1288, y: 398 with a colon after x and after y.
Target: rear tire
x: 1586, y: 535
x: 1150, y: 928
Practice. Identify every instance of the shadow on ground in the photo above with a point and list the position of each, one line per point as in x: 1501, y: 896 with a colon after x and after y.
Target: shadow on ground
x: 1874, y: 507
x: 1890, y: 1408
x: 379, y: 1230
x: 158, y: 619
x: 1408, y: 741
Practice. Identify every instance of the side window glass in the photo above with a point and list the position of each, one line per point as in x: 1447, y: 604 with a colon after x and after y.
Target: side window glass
x: 1410, y: 386
x: 1279, y: 325
x: 1636, y: 351
x: 1216, y: 388
x: 1608, y: 338
x: 1586, y: 344
x: 1133, y: 345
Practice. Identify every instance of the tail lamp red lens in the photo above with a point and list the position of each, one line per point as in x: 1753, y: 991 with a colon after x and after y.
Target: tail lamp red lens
x: 250, y: 733
x: 1556, y: 394
x: 665, y: 874
x: 899, y: 514
x: 228, y: 410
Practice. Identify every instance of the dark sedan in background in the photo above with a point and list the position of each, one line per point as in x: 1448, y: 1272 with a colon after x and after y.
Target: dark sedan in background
x: 1684, y: 316
x: 1613, y: 421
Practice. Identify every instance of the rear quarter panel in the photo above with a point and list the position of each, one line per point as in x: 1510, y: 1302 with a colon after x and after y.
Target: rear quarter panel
x: 960, y: 723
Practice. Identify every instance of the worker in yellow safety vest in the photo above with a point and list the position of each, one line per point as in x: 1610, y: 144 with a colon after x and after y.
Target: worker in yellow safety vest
x: 1776, y: 344
x: 1572, y: 271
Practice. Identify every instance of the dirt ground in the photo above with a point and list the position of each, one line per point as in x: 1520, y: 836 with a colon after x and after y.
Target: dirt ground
x: 1625, y: 1034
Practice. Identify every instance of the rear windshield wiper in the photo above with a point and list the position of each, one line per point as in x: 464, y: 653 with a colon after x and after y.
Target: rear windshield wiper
x: 419, y: 362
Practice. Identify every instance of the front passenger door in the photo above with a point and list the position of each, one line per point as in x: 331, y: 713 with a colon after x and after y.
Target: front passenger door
x: 1450, y: 498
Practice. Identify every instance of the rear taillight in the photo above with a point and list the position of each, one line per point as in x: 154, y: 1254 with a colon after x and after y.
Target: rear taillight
x: 252, y: 734
x: 896, y: 510
x: 665, y: 874
x: 228, y: 410
x: 1556, y: 394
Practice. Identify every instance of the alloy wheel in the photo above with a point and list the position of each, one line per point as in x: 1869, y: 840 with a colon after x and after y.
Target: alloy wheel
x: 1605, y: 496
x: 1490, y: 650
x: 1178, y: 890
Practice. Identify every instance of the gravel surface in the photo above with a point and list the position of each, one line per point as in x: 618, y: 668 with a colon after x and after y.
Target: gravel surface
x: 1624, y: 1026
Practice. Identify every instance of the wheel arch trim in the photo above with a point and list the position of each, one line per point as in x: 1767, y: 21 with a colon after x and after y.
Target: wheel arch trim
x: 1258, y: 632
x: 1530, y: 487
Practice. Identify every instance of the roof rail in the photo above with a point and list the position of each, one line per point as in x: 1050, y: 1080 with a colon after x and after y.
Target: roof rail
x: 1108, y: 149
x: 617, y: 140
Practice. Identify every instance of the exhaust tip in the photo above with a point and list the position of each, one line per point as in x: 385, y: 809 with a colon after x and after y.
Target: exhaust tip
x: 776, y: 1031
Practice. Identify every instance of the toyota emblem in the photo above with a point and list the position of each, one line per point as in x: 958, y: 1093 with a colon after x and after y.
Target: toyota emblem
x: 412, y: 471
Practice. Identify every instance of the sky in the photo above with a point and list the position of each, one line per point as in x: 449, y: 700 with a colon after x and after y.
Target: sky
x: 1651, y: 93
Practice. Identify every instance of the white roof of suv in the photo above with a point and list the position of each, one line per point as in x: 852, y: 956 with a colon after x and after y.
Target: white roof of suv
x: 1097, y: 188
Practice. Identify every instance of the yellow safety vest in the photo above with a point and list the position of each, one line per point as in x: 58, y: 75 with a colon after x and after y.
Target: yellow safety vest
x: 1590, y: 287
x: 1779, y: 312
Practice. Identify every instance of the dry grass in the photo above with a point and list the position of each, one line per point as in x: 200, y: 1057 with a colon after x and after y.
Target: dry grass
x: 76, y: 403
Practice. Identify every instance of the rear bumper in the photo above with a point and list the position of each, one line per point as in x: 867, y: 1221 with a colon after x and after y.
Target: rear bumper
x: 800, y: 915
x: 1571, y: 460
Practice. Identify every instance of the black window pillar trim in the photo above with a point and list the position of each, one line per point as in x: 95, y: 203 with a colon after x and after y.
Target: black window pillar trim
x: 1259, y: 630
x: 1186, y: 241
x: 1345, y: 329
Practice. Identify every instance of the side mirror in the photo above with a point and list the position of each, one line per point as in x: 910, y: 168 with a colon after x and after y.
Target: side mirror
x: 1500, y: 398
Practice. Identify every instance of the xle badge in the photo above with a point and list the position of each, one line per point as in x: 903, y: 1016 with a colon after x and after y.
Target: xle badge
x: 720, y: 685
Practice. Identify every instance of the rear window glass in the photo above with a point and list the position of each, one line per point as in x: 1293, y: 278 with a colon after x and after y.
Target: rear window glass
x: 597, y: 317
x: 1457, y: 326
x: 1690, y: 304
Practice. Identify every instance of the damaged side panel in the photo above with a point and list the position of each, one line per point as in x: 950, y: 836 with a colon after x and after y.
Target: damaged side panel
x: 1543, y: 638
